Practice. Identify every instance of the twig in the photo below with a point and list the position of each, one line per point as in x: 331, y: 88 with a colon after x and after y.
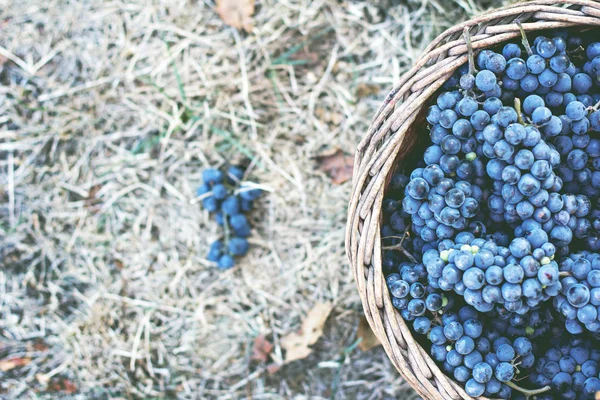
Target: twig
x: 80, y: 88
x: 126, y: 190
x: 400, y: 246
x: 405, y: 234
x: 319, y: 86
x: 137, y: 339
x: 391, y: 237
x: 144, y: 303
x: 11, y: 189
x: 403, y: 250
x: 17, y: 60
x: 245, y: 86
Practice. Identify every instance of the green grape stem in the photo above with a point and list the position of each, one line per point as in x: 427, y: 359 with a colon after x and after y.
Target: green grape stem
x: 519, y: 112
x: 527, y: 392
x: 467, y: 37
x: 524, y: 39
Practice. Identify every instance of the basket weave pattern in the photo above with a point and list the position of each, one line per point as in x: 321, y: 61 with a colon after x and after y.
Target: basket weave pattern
x: 397, y: 126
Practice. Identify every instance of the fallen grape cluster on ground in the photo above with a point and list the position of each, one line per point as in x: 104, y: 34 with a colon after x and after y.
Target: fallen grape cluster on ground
x: 492, y: 240
x: 224, y: 195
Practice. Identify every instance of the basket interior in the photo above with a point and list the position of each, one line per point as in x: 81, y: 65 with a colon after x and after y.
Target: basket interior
x: 417, y: 139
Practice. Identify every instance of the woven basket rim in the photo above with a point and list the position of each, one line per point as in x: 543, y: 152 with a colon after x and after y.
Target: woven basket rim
x: 390, y: 134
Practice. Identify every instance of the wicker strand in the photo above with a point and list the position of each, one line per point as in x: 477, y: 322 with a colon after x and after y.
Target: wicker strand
x: 392, y: 135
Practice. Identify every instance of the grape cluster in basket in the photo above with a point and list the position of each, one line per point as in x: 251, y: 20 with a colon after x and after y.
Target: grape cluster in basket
x: 491, y: 243
x: 224, y: 195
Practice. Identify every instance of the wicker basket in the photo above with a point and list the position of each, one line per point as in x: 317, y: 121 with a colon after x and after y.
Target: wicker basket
x: 393, y: 135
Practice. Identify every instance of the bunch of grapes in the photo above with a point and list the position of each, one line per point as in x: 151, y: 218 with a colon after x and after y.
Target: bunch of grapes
x: 480, y: 357
x: 579, y: 299
x: 228, y: 198
x: 411, y: 294
x: 488, y: 242
x: 535, y: 323
x: 570, y: 368
x: 473, y: 355
x: 486, y: 274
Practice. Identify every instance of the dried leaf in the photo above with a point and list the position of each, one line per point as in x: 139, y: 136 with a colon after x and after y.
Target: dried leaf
x: 369, y: 340
x: 236, y: 13
x: 92, y: 201
x: 337, y: 165
x: 261, y: 349
x: 62, y: 385
x: 40, y: 346
x: 69, y: 387
x: 7, y: 365
x: 297, y: 344
x: 92, y: 193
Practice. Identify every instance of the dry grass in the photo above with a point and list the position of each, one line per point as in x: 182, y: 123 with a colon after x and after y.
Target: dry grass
x: 108, y: 111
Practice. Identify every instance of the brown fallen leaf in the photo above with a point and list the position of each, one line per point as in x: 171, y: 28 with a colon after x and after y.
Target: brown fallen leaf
x: 92, y: 198
x: 69, y: 386
x: 40, y: 346
x: 62, y: 385
x: 337, y: 165
x: 297, y: 344
x: 237, y: 13
x: 369, y: 340
x: 7, y: 365
x: 261, y: 349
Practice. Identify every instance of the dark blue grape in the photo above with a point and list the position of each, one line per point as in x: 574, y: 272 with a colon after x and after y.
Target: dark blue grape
x: 582, y: 83
x: 546, y: 48
x: 485, y: 80
x: 528, y: 185
x: 548, y: 78
x: 231, y: 205
x: 512, y: 50
x: 212, y: 175
x: 504, y: 372
x: 216, y: 251
x: 516, y: 69
x: 226, y: 262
